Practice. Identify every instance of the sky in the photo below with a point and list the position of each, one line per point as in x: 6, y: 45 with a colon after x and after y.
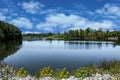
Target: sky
x: 57, y: 16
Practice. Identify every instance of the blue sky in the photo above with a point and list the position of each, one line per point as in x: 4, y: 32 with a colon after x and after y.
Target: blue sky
x: 41, y: 16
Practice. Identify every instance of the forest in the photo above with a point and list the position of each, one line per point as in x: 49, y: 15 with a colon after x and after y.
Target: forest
x: 82, y: 34
x: 90, y: 34
x: 9, y: 32
x: 36, y: 36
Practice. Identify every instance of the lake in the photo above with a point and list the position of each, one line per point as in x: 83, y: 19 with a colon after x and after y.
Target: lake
x: 34, y: 55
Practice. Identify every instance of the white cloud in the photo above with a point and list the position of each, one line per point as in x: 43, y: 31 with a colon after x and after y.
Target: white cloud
x: 105, y: 24
x: 4, y: 10
x: 22, y: 22
x: 14, y: 14
x: 45, y: 26
x: 58, y: 20
x: 32, y: 6
x: 110, y: 9
x: 32, y: 32
x: 72, y: 22
x: 61, y: 20
x: 3, y: 14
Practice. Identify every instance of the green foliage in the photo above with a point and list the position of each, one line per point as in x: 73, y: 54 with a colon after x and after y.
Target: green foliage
x: 46, y: 72
x: 84, y: 72
x: 48, y: 36
x: 112, y: 67
x: 21, y: 72
x: 81, y: 34
x: 1, y: 34
x: 109, y: 67
x: 90, y: 34
x: 63, y: 73
x: 101, y: 71
x: 9, y: 32
x: 31, y: 36
x: 57, y: 36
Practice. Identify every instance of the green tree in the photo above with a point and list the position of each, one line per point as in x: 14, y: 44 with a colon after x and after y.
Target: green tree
x: 9, y: 32
x: 1, y: 34
x: 71, y: 34
x: 81, y: 34
x: 65, y: 35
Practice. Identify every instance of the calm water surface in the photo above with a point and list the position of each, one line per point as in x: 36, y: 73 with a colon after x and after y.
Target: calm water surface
x: 34, y: 55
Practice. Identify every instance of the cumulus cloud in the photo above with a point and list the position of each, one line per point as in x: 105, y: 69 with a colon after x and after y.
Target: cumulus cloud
x: 3, y: 14
x: 22, y: 22
x: 105, y: 24
x: 58, y: 20
x: 45, y: 26
x: 110, y: 10
x: 68, y: 22
x: 32, y: 6
x: 32, y: 32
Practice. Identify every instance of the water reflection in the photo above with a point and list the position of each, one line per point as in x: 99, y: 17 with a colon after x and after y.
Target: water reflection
x: 34, y: 55
x: 89, y: 44
x: 8, y: 48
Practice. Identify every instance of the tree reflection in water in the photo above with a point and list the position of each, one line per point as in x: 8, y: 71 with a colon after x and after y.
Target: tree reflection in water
x: 8, y: 48
x: 90, y: 44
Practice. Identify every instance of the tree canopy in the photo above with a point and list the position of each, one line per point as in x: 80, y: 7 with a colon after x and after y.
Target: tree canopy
x: 90, y: 34
x: 9, y: 32
x: 80, y: 34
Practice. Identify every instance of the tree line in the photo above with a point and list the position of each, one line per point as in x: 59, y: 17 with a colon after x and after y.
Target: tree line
x: 91, y: 34
x: 33, y: 36
x: 9, y: 32
x: 81, y: 34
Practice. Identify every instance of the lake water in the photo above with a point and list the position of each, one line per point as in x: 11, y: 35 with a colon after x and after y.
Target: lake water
x: 34, y: 55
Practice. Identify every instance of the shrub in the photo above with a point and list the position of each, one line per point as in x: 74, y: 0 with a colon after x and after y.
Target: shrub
x: 83, y: 72
x: 63, y: 73
x: 112, y: 67
x: 21, y: 72
x: 45, y: 72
